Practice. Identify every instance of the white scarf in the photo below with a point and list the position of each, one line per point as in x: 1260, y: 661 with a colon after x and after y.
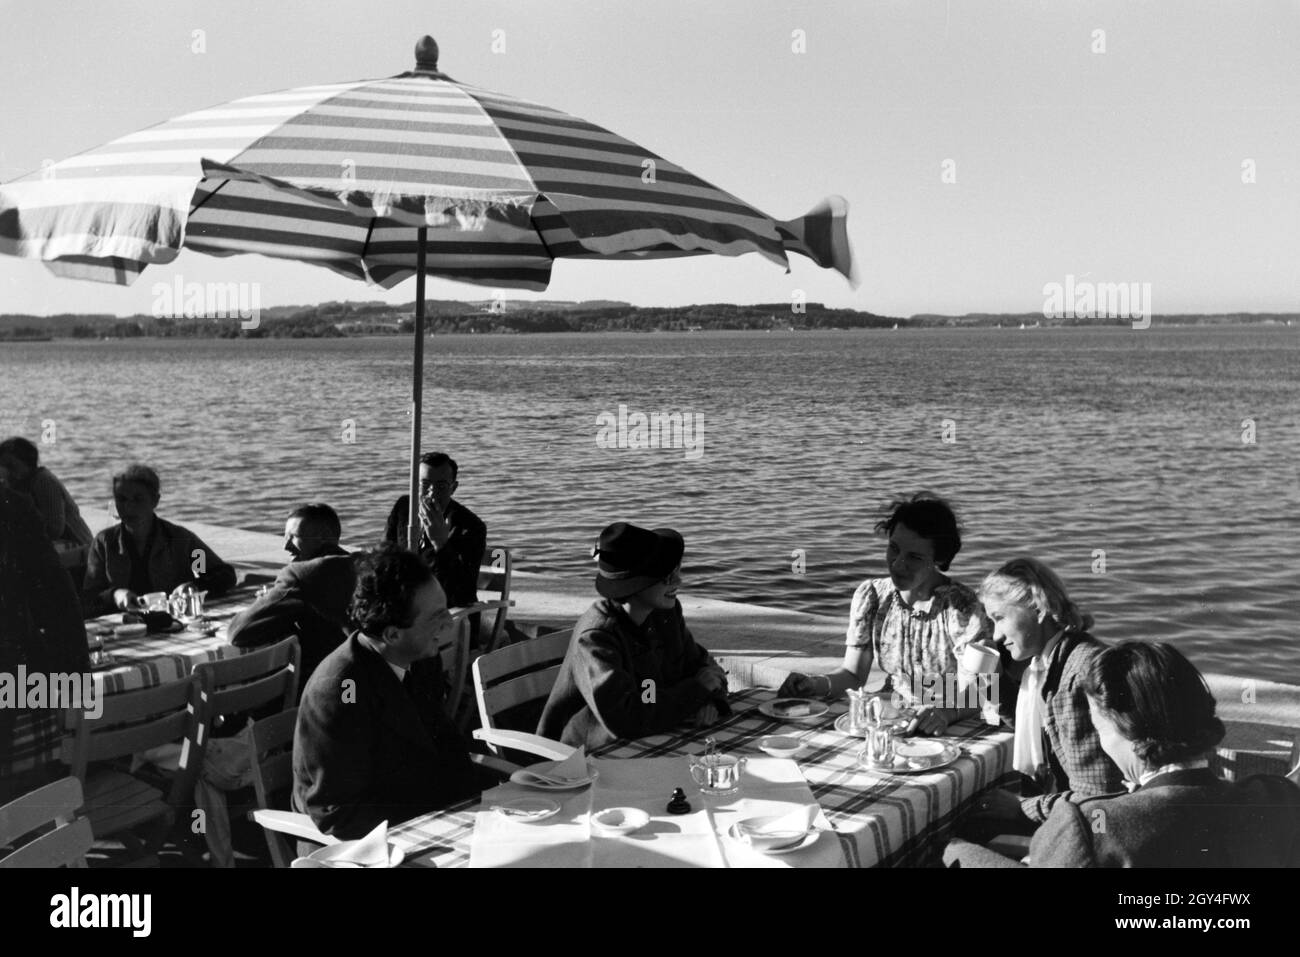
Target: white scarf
x: 1028, y: 756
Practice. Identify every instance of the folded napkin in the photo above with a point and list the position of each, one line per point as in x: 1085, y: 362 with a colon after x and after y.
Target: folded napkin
x: 369, y: 851
x: 572, y: 768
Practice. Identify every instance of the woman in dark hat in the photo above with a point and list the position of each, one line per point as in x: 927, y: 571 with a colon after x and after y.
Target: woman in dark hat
x: 632, y: 667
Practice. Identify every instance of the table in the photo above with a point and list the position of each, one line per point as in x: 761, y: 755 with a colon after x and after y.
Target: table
x: 143, y: 662
x: 880, y: 819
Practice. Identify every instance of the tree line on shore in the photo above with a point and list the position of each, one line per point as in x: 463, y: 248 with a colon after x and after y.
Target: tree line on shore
x: 339, y: 319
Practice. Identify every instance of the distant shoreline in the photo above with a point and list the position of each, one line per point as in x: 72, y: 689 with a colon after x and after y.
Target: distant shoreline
x: 334, y: 320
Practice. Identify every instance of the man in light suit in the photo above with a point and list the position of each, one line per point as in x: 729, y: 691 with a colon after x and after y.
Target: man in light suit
x: 311, y: 594
x: 373, y: 742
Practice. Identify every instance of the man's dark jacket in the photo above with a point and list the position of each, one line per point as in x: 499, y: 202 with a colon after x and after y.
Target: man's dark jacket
x: 456, y: 564
x: 366, y: 749
x: 309, y: 599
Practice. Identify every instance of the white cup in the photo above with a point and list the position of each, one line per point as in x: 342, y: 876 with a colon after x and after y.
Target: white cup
x: 975, y: 660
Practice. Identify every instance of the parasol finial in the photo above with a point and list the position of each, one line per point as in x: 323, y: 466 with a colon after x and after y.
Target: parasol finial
x: 426, y: 54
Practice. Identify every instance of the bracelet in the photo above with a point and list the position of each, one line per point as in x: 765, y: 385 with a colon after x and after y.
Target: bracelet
x: 829, y: 687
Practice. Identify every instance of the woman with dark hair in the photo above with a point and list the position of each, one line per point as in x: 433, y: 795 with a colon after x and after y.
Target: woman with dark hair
x: 1155, y: 717
x: 916, y: 622
x: 632, y: 667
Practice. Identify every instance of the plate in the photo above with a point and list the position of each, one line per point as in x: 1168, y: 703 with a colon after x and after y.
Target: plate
x: 527, y: 810
x: 781, y: 709
x: 948, y: 754
x: 809, y: 839
x: 523, y: 778
x: 919, y: 749
x: 781, y: 746
x: 619, y: 820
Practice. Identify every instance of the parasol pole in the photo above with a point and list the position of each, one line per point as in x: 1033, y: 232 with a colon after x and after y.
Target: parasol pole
x: 417, y: 396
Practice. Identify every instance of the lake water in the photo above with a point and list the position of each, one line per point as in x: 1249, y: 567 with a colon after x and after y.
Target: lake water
x: 1175, y: 452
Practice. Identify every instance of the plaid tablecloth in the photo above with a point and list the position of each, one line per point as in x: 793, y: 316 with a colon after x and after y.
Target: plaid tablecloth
x: 143, y: 662
x: 889, y: 820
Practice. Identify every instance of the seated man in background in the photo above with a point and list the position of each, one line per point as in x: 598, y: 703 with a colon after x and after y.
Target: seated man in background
x: 145, y: 554
x: 21, y: 470
x: 311, y: 594
x: 373, y: 742
x: 452, y: 538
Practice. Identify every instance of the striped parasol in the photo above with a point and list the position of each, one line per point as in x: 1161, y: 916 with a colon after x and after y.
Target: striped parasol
x: 384, y: 179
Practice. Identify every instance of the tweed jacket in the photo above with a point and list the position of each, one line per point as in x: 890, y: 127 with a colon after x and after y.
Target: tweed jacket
x: 619, y: 680
x: 1075, y: 760
x: 170, y: 561
x: 367, y: 749
x: 309, y: 599
x: 456, y: 564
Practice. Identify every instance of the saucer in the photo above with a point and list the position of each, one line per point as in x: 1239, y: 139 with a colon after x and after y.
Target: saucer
x: 619, y: 820
x: 527, y: 810
x: 781, y: 746
x: 733, y: 832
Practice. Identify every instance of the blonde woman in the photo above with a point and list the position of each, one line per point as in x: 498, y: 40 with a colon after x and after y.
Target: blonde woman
x: 1056, y: 745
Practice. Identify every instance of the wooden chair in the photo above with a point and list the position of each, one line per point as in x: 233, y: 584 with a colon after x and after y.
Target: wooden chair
x: 265, y: 678
x: 117, y: 800
x: 64, y: 846
x: 270, y: 747
x: 271, y: 756
x: 494, y: 579
x: 516, y: 675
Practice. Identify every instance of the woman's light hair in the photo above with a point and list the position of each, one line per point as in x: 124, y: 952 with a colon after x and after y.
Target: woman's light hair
x: 1028, y: 582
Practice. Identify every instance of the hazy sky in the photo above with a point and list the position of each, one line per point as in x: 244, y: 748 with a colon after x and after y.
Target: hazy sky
x: 1123, y: 165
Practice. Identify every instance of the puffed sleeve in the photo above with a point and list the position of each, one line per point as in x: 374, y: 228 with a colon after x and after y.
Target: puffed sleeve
x: 862, y: 615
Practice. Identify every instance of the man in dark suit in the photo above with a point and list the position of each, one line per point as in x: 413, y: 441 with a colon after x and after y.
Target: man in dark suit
x: 311, y: 594
x: 373, y: 742
x: 452, y: 538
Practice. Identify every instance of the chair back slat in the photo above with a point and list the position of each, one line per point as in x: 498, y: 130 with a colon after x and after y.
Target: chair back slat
x: 129, y: 707
x: 65, y: 846
x: 516, y: 691
x: 253, y: 694
x: 52, y: 802
x: 122, y: 742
